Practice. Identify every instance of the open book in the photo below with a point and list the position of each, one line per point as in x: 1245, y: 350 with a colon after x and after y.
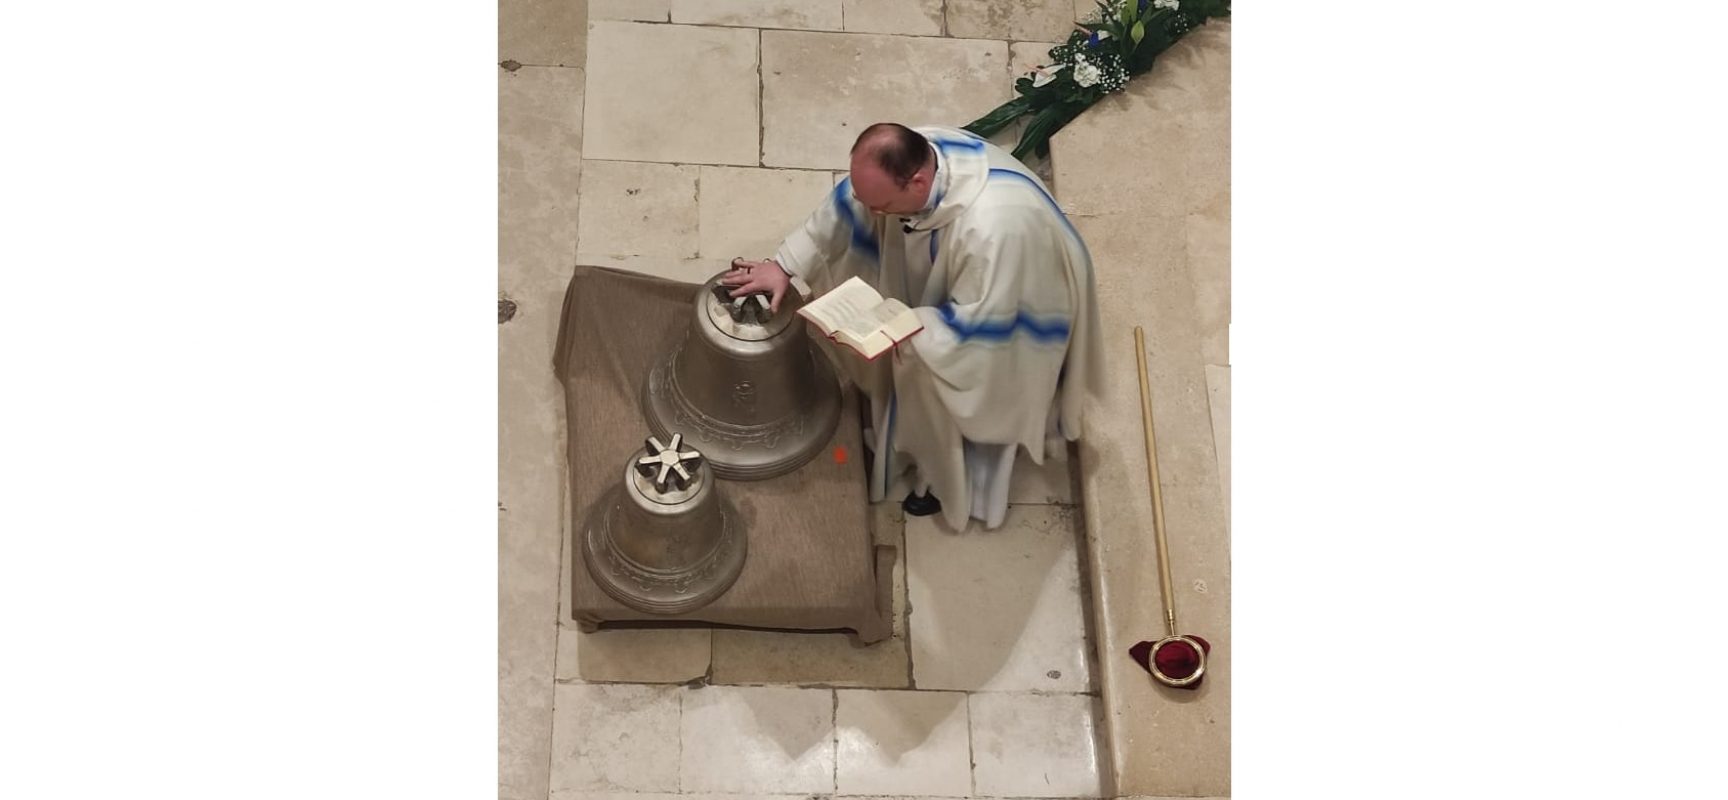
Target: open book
x: 855, y: 315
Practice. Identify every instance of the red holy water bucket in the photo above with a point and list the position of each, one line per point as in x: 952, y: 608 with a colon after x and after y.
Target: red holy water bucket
x: 1175, y: 661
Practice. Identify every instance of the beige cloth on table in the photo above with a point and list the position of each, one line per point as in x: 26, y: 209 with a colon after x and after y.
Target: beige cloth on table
x: 812, y: 563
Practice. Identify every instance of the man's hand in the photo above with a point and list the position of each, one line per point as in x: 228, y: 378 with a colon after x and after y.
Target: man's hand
x: 758, y: 276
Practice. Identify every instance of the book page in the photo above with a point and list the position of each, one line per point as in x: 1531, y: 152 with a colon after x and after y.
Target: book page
x: 848, y: 302
x: 887, y: 311
x: 875, y: 344
x: 862, y: 327
x: 902, y: 324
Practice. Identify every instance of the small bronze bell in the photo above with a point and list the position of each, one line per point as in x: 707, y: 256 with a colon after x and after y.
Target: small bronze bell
x: 661, y: 541
x: 745, y: 385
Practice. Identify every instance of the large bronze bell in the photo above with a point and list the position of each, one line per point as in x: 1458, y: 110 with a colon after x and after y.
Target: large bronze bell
x: 662, y: 541
x: 746, y: 386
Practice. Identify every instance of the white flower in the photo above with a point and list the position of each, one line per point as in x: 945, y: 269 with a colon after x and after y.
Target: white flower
x: 1170, y: 4
x: 1043, y: 75
x: 1086, y: 74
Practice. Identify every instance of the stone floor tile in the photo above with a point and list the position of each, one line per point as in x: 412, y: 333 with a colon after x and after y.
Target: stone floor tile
x: 1133, y: 290
x: 747, y: 212
x: 757, y: 739
x: 1084, y: 10
x: 910, y: 17
x: 1158, y: 294
x: 1019, y: 20
x: 1193, y: 76
x: 1046, y: 484
x: 819, y: 15
x: 817, y: 659
x: 530, y: 475
x: 638, y: 10
x: 902, y: 743
x: 1208, y: 245
x: 821, y: 89
x: 1029, y: 745
x: 1209, y: 164
x: 552, y: 33
x: 673, y: 93
x: 1181, y: 111
x: 539, y: 166
x: 649, y: 655
x: 525, y: 689
x: 638, y: 209
x: 1092, y: 186
x: 809, y: 659
x: 615, y: 737
x: 1218, y: 390
x: 997, y: 610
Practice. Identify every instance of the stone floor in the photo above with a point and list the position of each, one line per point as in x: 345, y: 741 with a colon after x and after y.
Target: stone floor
x: 666, y: 137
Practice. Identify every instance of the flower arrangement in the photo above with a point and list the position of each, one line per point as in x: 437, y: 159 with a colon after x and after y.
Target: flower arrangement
x: 1098, y: 59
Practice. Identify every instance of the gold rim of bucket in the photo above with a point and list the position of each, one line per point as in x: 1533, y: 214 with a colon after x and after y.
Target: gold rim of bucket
x: 1152, y: 661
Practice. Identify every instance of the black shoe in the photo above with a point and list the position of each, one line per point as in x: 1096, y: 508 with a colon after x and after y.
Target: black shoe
x: 924, y: 506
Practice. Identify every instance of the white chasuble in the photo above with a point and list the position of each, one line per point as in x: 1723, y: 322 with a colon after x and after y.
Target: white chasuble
x: 1004, y: 288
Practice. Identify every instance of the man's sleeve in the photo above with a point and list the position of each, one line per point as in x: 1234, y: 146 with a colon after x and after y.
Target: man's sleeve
x: 840, y: 226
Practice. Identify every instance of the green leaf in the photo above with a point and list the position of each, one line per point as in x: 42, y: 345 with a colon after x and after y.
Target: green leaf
x: 1139, y: 31
x: 1001, y: 117
x: 1036, y: 137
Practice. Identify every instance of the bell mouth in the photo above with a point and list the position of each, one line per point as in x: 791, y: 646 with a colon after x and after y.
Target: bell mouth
x: 658, y: 590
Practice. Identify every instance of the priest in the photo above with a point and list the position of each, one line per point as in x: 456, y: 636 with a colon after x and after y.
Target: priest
x: 966, y: 235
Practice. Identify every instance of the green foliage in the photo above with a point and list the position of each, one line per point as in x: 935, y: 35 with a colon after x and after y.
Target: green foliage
x: 1002, y: 117
x: 1099, y: 58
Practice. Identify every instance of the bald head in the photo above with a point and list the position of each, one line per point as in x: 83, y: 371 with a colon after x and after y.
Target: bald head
x: 896, y: 149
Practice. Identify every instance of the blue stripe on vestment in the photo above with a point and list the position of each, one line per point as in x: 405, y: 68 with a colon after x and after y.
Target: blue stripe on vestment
x: 1051, y: 201
x: 1046, y: 330
x: 947, y: 146
x: 969, y: 145
x: 861, y: 234
x: 998, y: 172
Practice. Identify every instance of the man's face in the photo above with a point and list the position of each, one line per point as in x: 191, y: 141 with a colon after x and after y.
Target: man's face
x: 879, y: 192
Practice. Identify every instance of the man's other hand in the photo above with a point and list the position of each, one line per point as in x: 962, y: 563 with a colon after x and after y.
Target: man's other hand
x: 758, y: 276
